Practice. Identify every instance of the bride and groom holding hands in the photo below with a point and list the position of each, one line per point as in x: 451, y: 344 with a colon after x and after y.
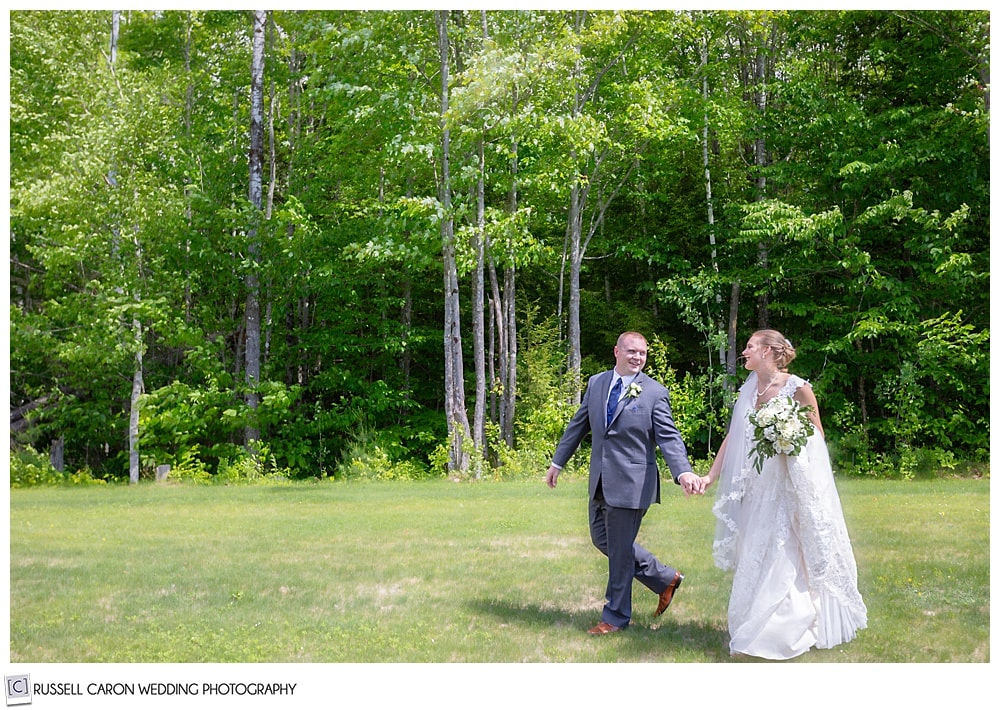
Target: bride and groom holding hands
x: 780, y: 526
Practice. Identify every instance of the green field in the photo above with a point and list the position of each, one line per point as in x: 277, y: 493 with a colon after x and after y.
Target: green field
x: 437, y: 572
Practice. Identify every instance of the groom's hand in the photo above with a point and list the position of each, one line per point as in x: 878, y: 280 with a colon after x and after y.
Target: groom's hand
x: 551, y: 475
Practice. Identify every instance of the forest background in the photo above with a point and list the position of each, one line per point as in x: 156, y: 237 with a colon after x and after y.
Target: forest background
x: 394, y: 244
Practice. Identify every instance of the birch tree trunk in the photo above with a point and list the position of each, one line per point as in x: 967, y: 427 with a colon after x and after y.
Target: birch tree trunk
x: 710, y: 205
x: 454, y: 376
x: 504, y: 322
x: 479, y: 314
x: 116, y: 16
x: 734, y: 311
x: 478, y: 245
x: 508, y: 351
x: 252, y: 353
x: 574, y: 230
x: 137, y: 378
x: 133, y: 417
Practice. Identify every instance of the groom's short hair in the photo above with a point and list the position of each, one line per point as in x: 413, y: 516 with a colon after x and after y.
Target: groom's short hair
x: 630, y: 334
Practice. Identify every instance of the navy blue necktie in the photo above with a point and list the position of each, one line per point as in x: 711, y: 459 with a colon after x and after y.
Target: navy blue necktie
x: 613, y: 399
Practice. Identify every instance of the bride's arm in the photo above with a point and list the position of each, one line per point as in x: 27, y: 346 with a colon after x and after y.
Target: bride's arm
x: 804, y: 395
x: 713, y: 473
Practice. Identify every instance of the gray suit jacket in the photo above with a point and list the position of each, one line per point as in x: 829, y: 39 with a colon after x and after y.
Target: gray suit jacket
x: 623, y: 455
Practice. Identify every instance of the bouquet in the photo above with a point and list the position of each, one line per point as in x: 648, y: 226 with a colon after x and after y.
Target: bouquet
x: 781, y: 426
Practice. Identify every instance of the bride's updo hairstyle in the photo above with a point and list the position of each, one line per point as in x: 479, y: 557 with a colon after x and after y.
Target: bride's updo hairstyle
x: 781, y: 346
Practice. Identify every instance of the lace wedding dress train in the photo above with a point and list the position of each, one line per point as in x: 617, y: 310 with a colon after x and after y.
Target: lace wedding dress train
x: 783, y: 533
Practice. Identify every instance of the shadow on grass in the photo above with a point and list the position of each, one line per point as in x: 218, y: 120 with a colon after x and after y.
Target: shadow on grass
x: 695, y: 637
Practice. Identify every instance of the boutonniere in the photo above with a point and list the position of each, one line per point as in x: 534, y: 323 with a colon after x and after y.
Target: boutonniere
x: 634, y: 390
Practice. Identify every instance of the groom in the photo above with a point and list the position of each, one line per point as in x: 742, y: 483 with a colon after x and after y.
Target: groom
x: 628, y: 416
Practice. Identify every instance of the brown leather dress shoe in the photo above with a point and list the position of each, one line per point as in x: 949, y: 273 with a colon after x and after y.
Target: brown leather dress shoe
x: 604, y: 628
x: 668, y: 594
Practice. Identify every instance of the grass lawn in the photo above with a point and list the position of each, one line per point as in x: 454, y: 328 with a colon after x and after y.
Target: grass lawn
x: 439, y: 572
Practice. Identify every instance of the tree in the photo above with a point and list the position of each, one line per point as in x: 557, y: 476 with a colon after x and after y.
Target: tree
x: 487, y: 103
x: 454, y: 380
x: 109, y: 192
x: 252, y: 352
x: 578, y: 172
x: 137, y: 379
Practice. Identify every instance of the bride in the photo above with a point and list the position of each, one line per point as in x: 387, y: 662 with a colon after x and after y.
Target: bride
x: 782, y: 530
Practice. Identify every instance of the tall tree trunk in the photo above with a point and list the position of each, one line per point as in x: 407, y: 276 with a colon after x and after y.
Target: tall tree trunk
x: 116, y: 16
x: 734, y: 312
x: 509, y: 349
x: 510, y: 383
x: 478, y: 245
x: 574, y: 230
x: 501, y: 358
x: 137, y: 378
x: 252, y: 353
x: 479, y: 314
x: 574, y: 237
x: 454, y: 376
x: 504, y: 313
x: 133, y: 419
x: 710, y: 204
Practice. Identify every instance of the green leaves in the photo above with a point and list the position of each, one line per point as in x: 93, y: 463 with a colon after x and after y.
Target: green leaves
x: 859, y: 231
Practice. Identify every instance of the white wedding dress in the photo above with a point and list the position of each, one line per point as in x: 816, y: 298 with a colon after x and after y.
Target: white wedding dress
x: 782, y: 531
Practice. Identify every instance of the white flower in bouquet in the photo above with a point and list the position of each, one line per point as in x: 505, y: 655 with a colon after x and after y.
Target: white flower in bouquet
x: 781, y: 426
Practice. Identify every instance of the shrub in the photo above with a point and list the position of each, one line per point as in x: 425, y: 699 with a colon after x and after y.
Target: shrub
x: 366, y: 457
x: 252, y: 467
x: 30, y: 468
